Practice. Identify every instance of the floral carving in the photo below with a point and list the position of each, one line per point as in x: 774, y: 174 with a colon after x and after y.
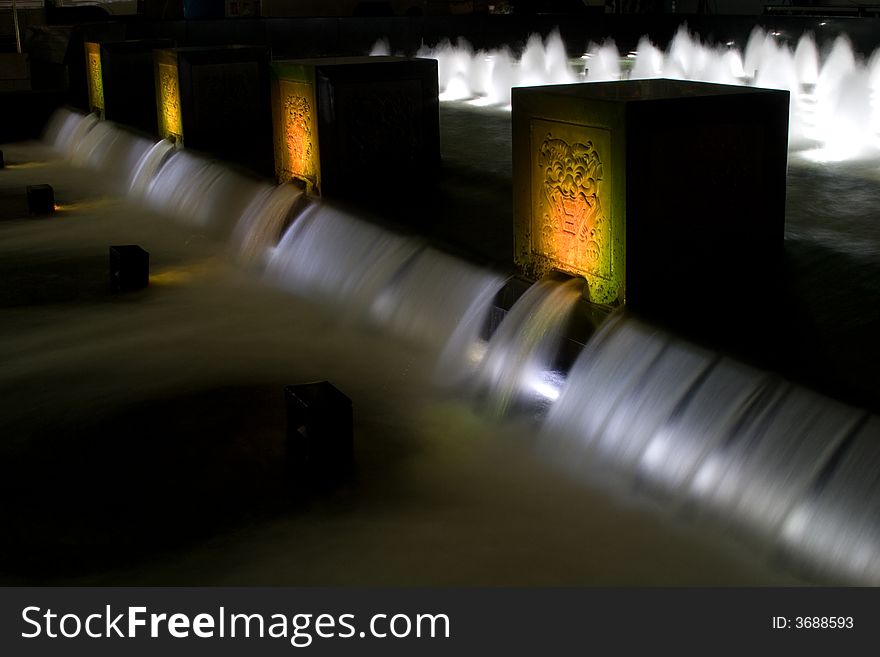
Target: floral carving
x: 572, y: 180
x: 170, y: 98
x: 298, y: 132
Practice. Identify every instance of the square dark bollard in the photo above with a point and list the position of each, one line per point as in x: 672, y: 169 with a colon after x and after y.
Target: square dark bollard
x: 216, y: 100
x: 129, y: 268
x: 40, y: 199
x: 343, y: 125
x: 120, y: 81
x: 319, y: 430
x: 661, y: 193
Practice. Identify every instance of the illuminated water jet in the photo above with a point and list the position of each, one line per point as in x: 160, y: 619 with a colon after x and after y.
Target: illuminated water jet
x: 841, y: 85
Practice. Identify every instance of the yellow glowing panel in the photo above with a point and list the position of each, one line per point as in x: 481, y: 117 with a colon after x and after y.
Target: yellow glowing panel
x: 95, y: 78
x: 296, y: 133
x: 168, y: 91
x: 571, y: 226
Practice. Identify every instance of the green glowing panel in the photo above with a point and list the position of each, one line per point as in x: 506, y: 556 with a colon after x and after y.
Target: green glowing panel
x: 168, y: 104
x: 95, y: 78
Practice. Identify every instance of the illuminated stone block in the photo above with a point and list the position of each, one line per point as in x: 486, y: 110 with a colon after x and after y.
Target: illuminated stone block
x: 319, y: 429
x: 342, y: 125
x: 120, y: 81
x: 216, y: 100
x: 656, y: 191
x: 40, y: 199
x: 129, y: 268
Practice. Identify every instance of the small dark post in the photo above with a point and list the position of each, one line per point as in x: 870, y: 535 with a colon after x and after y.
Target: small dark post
x: 319, y: 431
x: 2, y: 161
x: 129, y: 268
x: 40, y: 199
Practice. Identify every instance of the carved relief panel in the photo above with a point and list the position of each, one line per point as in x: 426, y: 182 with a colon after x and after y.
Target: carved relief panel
x: 170, y: 122
x: 95, y: 77
x: 296, y: 131
x: 571, y: 224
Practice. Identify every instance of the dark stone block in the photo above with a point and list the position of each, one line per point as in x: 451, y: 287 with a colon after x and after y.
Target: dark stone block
x: 347, y: 125
x: 666, y: 195
x: 319, y: 430
x: 78, y: 72
x: 129, y: 268
x: 121, y: 85
x: 40, y: 199
x: 24, y: 114
x: 216, y: 100
x: 2, y: 161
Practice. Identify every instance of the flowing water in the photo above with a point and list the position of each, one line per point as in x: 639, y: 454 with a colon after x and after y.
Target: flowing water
x: 640, y: 410
x: 701, y: 434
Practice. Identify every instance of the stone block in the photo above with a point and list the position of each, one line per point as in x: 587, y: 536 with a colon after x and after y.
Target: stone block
x: 347, y: 125
x: 216, y: 100
x: 658, y: 192
x: 129, y: 268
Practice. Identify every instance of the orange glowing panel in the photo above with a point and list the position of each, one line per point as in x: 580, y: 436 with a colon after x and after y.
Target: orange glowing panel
x: 295, y: 126
x: 569, y: 207
x: 571, y: 195
x: 94, y: 77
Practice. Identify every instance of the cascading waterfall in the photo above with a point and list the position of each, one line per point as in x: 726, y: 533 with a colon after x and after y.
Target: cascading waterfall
x: 517, y: 367
x: 432, y: 295
x: 111, y: 150
x: 261, y: 224
x: 89, y: 149
x: 699, y: 432
x: 88, y: 142
x: 66, y: 128
x: 332, y: 256
x: 194, y: 190
x: 200, y: 192
x: 148, y: 166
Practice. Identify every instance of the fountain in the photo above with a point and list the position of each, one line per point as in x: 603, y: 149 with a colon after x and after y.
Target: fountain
x: 66, y: 129
x: 263, y: 221
x: 832, y: 101
x: 646, y: 413
x: 328, y: 254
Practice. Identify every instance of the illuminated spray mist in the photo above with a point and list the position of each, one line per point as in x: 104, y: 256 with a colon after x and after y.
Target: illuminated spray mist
x: 835, y: 107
